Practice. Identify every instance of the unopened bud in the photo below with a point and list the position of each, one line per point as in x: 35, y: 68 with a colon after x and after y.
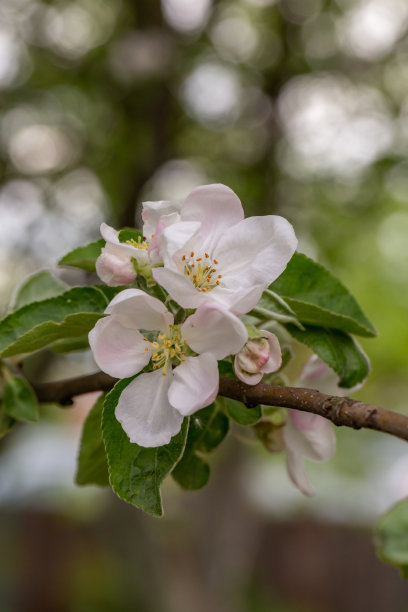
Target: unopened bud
x: 259, y: 356
x: 115, y: 268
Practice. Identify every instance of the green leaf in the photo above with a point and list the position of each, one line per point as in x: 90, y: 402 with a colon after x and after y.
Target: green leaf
x: 272, y: 306
x: 208, y: 427
x: 136, y: 473
x: 72, y: 314
x: 68, y: 345
x: 92, y: 462
x: 226, y: 368
x: 19, y: 400
x: 83, y: 257
x: 238, y: 412
x: 339, y: 350
x: 39, y: 286
x: 6, y: 421
x: 391, y: 537
x: 318, y: 298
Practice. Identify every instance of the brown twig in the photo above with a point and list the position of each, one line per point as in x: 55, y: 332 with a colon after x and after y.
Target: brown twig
x: 339, y: 410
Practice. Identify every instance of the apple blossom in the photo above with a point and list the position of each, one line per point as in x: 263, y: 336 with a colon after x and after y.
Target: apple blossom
x: 260, y: 355
x: 306, y: 435
x: 213, y: 253
x: 119, y: 262
x: 140, y: 330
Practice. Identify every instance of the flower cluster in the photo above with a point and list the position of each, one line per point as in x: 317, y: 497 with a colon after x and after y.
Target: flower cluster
x: 213, y: 265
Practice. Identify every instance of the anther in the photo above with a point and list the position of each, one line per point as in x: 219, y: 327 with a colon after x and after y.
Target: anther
x: 183, y: 258
x: 192, y: 254
x: 216, y: 262
x: 220, y: 276
x: 207, y: 255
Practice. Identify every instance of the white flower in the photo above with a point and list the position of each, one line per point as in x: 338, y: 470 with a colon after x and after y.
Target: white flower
x: 213, y: 253
x: 310, y: 436
x: 119, y: 262
x: 152, y: 407
x: 259, y: 356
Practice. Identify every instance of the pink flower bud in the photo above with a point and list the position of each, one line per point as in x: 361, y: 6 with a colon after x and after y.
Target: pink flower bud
x: 259, y: 356
x: 115, y: 267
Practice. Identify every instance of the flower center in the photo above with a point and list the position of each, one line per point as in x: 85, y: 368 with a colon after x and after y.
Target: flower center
x: 140, y: 243
x: 168, y: 347
x: 201, y: 271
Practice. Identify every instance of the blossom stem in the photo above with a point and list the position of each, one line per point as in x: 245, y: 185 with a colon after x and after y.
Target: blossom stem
x: 342, y: 411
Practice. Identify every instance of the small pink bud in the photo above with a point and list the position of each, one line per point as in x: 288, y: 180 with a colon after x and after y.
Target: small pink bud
x: 115, y: 268
x: 259, y: 356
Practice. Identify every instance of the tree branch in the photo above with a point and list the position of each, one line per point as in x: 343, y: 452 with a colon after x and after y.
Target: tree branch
x: 340, y: 410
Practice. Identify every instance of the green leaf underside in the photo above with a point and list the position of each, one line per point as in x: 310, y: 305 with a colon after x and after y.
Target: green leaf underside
x: 92, y: 462
x: 277, y: 306
x: 238, y: 412
x: 67, y: 345
x: 19, y: 400
x: 83, y: 257
x: 208, y: 427
x: 136, y: 473
x: 39, y: 286
x: 391, y: 537
x: 36, y: 325
x: 318, y: 298
x: 339, y: 350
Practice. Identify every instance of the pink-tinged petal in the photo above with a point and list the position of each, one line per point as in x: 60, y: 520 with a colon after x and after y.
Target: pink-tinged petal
x: 144, y: 410
x: 175, y: 240
x: 151, y: 213
x: 114, y: 268
x: 179, y: 287
x: 195, y: 384
x: 297, y: 473
x: 163, y: 222
x: 118, y: 350
x: 275, y: 355
x: 216, y: 207
x: 316, y: 374
x: 212, y: 329
x: 246, y: 377
x: 255, y: 251
x: 138, y: 310
x: 109, y: 233
x: 307, y: 436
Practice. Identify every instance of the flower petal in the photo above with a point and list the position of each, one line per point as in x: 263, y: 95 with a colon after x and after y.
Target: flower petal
x: 297, y: 473
x: 109, y: 233
x: 152, y: 211
x: 246, y: 377
x: 212, y: 329
x: 255, y: 251
x: 195, y: 384
x: 179, y: 287
x: 275, y: 355
x: 144, y: 410
x: 138, y: 310
x: 306, y: 436
x: 118, y: 350
x: 216, y: 207
x: 115, y: 246
x: 318, y: 375
x: 174, y: 238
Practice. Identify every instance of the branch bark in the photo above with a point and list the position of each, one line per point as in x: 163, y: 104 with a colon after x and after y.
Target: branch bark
x: 339, y: 410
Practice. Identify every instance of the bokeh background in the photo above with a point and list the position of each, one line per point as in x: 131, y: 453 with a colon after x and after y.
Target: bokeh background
x: 300, y: 106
